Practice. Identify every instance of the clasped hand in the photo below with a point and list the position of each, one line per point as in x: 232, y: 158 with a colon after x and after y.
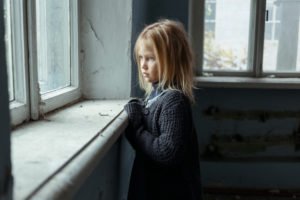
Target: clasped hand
x: 134, y: 109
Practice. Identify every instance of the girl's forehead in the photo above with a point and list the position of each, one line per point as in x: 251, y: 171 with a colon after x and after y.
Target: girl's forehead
x: 146, y: 44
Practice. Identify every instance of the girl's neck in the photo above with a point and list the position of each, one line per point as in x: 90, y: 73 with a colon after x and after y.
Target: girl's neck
x: 155, y: 90
x: 154, y: 85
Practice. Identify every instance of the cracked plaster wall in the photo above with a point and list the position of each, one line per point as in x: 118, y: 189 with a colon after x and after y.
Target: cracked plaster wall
x: 105, y: 53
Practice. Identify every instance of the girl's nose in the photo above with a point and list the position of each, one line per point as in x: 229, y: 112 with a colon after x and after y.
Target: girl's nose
x: 143, y: 64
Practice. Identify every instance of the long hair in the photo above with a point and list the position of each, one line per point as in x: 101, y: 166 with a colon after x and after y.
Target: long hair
x: 173, y: 52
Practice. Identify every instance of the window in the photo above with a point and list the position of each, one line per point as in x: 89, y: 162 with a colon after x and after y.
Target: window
x: 15, y: 56
x: 42, y: 56
x: 272, y: 21
x: 53, y: 45
x: 281, y: 42
x: 226, y: 44
x: 249, y: 38
x: 210, y: 16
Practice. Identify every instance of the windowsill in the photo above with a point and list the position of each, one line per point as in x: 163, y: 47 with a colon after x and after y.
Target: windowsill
x: 247, y: 82
x: 46, y: 153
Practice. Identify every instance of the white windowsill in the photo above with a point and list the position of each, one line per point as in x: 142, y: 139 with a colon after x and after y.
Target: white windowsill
x: 247, y: 82
x: 46, y: 153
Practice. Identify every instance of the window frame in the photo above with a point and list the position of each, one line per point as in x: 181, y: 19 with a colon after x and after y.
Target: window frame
x: 19, y: 106
x: 42, y: 104
x: 256, y: 77
x: 28, y: 103
x: 8, y: 46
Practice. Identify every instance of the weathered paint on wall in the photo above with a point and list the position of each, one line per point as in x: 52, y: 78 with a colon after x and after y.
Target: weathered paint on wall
x: 249, y: 137
x: 105, y: 39
x: 5, y: 162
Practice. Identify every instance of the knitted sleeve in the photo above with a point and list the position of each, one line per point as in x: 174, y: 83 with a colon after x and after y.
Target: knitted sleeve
x: 175, y: 126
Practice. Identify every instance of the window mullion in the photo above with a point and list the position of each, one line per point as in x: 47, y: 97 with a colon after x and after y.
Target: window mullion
x: 45, y: 100
x: 35, y: 98
x: 74, y: 19
x: 196, y: 31
x: 257, y: 35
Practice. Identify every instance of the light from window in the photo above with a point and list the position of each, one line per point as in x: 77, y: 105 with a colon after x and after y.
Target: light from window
x: 226, y: 35
x: 281, y: 44
x: 53, y: 45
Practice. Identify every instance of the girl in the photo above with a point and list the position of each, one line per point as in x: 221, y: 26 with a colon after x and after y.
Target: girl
x: 160, y: 128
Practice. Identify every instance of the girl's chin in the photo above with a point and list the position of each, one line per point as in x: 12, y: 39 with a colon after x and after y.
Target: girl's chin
x: 150, y: 81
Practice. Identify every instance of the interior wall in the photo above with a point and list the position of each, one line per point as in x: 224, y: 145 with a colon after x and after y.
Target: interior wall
x: 5, y: 161
x: 249, y: 138
x: 105, y: 41
x: 103, y: 182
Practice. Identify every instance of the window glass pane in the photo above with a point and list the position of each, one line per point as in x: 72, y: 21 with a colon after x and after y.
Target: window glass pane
x: 53, y: 44
x: 226, y: 35
x: 8, y: 44
x: 281, y: 44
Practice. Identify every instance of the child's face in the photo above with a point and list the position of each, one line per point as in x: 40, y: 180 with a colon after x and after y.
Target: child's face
x: 148, y: 63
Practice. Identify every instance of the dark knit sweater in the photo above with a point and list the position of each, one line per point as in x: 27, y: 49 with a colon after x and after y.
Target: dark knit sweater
x: 166, y: 165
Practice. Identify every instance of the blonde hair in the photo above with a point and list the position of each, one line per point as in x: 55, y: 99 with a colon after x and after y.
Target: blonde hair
x: 173, y: 53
